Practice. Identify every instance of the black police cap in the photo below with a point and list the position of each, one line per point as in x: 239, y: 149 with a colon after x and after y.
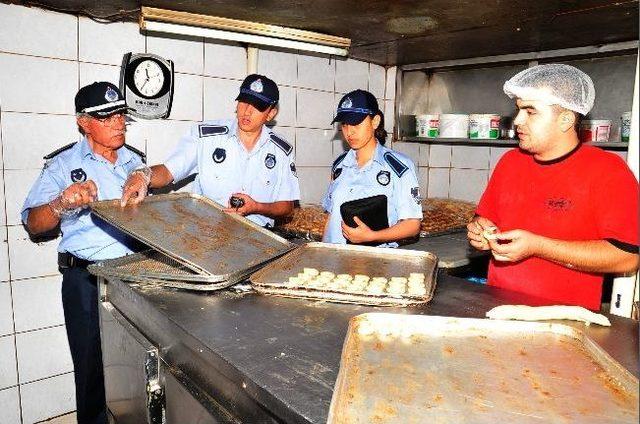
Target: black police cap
x: 100, y: 99
x: 355, y: 106
x: 259, y: 91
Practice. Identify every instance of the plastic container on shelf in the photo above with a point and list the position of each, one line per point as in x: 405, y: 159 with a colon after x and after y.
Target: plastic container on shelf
x: 427, y: 125
x: 625, y: 127
x: 595, y: 131
x: 484, y: 126
x: 454, y: 125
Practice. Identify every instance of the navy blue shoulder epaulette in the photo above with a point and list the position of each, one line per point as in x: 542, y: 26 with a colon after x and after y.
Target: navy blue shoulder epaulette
x: 286, y: 147
x: 211, y: 130
x: 338, y: 161
x: 398, y: 167
x: 142, y: 155
x: 58, y: 151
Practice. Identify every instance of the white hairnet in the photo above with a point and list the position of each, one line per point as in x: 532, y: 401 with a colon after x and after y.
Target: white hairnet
x: 554, y: 84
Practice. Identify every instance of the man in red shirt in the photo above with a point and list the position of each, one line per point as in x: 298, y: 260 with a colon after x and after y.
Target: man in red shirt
x: 556, y: 214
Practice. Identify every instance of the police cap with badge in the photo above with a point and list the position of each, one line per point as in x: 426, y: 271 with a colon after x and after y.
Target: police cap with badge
x: 259, y: 91
x: 99, y: 100
x: 355, y: 106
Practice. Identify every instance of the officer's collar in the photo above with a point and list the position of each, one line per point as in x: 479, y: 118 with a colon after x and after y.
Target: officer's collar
x: 378, y: 156
x: 124, y: 155
x: 262, y: 140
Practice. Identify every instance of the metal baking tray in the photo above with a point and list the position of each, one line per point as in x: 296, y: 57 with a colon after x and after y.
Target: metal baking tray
x: 418, y: 369
x: 197, y: 233
x: 348, y: 259
x: 154, y: 267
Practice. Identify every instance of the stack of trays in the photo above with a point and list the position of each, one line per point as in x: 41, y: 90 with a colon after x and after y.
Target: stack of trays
x: 196, y: 244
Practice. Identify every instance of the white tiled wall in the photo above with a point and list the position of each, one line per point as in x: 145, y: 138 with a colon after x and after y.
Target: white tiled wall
x: 8, y: 372
x: 39, y: 76
x: 10, y: 405
x: 42, y: 354
x: 47, y: 398
x: 458, y: 172
x: 37, y: 303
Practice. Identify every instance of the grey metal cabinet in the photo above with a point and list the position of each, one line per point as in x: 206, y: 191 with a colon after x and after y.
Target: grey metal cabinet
x: 130, y: 370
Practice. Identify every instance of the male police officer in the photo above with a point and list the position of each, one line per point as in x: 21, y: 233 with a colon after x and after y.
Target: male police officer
x: 94, y: 168
x: 240, y: 158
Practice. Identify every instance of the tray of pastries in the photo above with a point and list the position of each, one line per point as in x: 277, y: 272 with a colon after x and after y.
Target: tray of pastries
x: 351, y: 274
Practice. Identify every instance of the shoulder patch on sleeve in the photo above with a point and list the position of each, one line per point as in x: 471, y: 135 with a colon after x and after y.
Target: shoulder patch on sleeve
x: 398, y: 167
x: 338, y: 161
x: 211, y: 130
x: 142, y: 155
x: 286, y: 147
x: 58, y: 151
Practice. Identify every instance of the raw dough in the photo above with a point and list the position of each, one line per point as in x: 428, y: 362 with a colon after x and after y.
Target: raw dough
x: 311, y: 271
x: 490, y: 233
x: 538, y: 313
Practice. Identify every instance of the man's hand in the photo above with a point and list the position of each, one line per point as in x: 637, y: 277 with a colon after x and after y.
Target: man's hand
x: 136, y: 187
x: 360, y: 234
x: 250, y: 206
x: 475, y: 230
x: 77, y: 195
x: 515, y: 245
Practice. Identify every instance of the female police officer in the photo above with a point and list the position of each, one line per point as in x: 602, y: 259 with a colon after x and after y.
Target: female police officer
x: 370, y: 169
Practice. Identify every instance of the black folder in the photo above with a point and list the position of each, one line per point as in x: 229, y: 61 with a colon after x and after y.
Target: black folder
x: 371, y: 210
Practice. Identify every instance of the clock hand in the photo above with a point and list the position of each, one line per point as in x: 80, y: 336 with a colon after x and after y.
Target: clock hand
x: 145, y: 83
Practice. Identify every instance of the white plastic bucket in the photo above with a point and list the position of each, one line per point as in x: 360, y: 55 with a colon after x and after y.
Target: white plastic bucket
x: 454, y: 125
x: 427, y: 125
x: 595, y: 131
x: 484, y: 126
x: 625, y: 127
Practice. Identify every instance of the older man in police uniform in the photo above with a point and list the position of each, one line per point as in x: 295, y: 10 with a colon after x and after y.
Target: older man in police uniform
x: 94, y: 168
x: 240, y: 158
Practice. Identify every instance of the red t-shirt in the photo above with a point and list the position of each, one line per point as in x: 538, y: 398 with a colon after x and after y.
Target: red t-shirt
x: 588, y: 194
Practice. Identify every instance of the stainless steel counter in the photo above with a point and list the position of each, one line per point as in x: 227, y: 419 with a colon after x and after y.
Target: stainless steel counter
x: 269, y: 359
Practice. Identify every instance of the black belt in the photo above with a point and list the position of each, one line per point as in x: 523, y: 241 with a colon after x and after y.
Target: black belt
x: 67, y: 260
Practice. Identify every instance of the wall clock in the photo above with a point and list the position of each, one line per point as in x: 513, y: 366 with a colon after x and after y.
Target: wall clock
x: 146, y: 81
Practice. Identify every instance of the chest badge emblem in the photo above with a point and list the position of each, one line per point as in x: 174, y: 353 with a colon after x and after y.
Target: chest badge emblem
x: 78, y: 175
x: 383, y: 178
x: 270, y: 160
x: 219, y: 155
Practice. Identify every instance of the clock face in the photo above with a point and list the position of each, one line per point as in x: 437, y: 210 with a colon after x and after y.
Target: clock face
x: 148, y: 78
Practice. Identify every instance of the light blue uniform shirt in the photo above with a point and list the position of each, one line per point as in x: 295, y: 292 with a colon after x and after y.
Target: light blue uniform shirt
x: 388, y: 172
x: 83, y: 235
x: 224, y: 166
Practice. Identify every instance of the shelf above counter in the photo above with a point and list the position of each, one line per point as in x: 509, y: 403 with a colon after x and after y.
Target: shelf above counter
x: 612, y: 145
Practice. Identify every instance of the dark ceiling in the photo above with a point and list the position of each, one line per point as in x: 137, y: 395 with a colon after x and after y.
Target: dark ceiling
x: 412, y: 31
